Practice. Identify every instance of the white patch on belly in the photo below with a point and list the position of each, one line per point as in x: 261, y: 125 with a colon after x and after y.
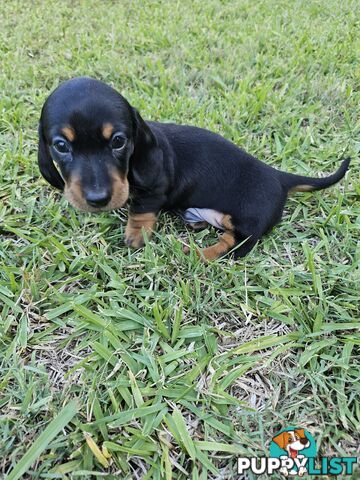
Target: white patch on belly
x: 195, y: 215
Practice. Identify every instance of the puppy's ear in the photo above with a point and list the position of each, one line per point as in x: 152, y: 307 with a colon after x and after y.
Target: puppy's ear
x: 146, y: 162
x: 280, y: 440
x: 143, y: 136
x: 46, y: 164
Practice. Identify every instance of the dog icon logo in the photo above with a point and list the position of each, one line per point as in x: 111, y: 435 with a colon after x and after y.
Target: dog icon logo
x: 293, y: 446
x: 293, y: 453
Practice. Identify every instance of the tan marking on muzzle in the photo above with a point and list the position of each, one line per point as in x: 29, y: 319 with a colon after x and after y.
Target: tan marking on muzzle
x: 120, y: 190
x: 68, y: 133
x: 120, y: 193
x: 73, y: 193
x: 107, y: 130
x: 138, y: 224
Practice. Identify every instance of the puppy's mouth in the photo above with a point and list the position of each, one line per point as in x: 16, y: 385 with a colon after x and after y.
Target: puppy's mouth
x: 83, y: 206
x: 293, y: 452
x: 98, y: 209
x: 98, y: 201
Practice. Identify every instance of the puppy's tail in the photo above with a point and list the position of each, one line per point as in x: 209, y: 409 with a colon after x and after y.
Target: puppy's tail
x: 298, y: 183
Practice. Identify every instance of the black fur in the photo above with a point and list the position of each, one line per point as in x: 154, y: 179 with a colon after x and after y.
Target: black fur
x: 168, y: 166
x: 46, y: 164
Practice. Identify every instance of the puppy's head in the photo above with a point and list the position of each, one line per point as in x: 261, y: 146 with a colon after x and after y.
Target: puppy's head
x: 87, y: 134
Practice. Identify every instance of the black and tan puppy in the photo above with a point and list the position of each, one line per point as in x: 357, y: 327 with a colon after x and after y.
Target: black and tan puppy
x: 98, y: 149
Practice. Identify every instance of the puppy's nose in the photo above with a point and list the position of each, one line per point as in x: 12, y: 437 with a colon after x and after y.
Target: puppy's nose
x: 98, y: 198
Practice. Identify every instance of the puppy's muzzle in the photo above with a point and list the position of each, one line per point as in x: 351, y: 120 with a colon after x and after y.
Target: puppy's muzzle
x: 98, y: 198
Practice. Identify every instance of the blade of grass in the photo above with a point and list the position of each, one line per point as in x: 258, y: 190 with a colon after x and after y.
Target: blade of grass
x: 42, y: 442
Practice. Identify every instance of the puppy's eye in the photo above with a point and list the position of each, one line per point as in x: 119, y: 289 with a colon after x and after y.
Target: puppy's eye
x: 117, y: 142
x: 61, y: 146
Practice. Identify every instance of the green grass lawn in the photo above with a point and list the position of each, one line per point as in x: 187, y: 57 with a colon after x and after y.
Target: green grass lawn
x: 178, y: 367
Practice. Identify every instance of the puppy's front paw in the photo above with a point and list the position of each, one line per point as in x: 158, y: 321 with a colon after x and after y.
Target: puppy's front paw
x: 138, y: 225
x: 134, y: 238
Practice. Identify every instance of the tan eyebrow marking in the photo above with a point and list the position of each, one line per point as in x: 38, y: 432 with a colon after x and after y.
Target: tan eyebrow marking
x: 69, y: 133
x: 107, y: 130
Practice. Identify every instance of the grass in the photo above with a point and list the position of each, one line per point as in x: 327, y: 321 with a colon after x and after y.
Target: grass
x: 177, y: 367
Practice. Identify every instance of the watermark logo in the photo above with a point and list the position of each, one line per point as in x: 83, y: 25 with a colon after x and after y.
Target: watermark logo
x: 293, y: 446
x: 293, y: 452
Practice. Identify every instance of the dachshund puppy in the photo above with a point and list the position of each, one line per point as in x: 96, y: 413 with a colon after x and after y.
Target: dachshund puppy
x: 96, y: 148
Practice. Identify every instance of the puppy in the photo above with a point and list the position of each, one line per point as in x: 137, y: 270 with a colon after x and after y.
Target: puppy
x: 96, y: 148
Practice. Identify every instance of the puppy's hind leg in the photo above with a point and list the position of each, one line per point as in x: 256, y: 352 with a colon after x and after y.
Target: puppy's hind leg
x: 226, y: 242
x: 247, y: 244
x: 247, y: 233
